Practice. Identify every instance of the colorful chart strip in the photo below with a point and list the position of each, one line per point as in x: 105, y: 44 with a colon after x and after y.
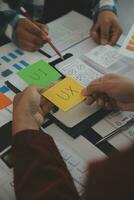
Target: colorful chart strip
x: 6, y: 59
x: 6, y: 73
x: 18, y: 67
x: 130, y: 45
x: 19, y: 52
x: 24, y: 63
x: 4, y: 89
x: 12, y: 55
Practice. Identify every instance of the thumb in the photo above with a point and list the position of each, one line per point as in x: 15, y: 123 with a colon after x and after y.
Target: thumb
x: 92, y: 89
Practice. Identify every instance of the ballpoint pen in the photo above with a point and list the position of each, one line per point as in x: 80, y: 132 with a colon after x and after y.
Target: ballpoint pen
x: 117, y: 131
x: 26, y: 14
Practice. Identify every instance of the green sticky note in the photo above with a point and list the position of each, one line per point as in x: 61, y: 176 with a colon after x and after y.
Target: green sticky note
x: 40, y: 74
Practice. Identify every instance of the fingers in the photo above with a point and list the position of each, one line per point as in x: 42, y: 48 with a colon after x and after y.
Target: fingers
x: 31, y: 27
x: 17, y: 99
x: 98, y: 91
x: 95, y: 33
x: 105, y: 33
x: 29, y: 36
x: 100, y: 32
x: 115, y: 34
x: 45, y: 105
x: 96, y: 86
x: 29, y: 46
x: 107, y: 29
x: 89, y: 100
x: 43, y: 27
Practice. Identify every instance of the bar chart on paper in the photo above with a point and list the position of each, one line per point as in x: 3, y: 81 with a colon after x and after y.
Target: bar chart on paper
x: 127, y: 48
x: 12, y: 60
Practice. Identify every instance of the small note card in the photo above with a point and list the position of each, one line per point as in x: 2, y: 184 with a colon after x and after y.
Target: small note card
x: 65, y: 94
x: 40, y: 74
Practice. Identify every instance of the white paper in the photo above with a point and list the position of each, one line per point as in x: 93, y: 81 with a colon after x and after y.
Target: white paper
x: 78, y: 70
x: 80, y: 145
x: 5, y: 117
x: 6, y: 182
x: 112, y: 121
x: 104, y: 56
x: 68, y: 30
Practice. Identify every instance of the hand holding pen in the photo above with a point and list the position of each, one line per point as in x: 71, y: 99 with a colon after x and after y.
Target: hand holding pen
x: 31, y: 36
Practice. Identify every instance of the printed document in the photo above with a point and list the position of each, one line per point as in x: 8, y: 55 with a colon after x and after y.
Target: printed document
x: 67, y: 31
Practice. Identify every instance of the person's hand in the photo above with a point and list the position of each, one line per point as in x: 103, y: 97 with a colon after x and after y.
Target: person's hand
x: 112, y: 92
x: 29, y: 110
x: 106, y: 29
x: 30, y: 36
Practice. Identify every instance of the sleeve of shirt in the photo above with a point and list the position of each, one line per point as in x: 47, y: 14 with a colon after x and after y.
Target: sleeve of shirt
x: 8, y: 22
x: 39, y: 170
x: 112, y: 178
x: 102, y: 5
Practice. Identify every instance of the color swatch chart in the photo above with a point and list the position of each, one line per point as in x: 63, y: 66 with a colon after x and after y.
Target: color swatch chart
x: 12, y: 60
x: 127, y: 48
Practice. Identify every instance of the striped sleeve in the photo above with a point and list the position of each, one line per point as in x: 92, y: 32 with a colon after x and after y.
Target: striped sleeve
x: 109, y: 5
x: 11, y: 27
x: 8, y: 18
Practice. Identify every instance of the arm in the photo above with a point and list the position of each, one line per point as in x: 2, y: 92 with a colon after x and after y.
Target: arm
x: 113, y: 178
x: 8, y: 22
x: 25, y: 34
x: 108, y: 5
x: 106, y: 28
x: 39, y: 170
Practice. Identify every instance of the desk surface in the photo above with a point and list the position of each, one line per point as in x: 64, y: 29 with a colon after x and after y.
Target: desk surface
x: 85, y: 149
x: 82, y: 145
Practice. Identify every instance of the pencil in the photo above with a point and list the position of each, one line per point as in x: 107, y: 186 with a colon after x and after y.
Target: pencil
x: 117, y: 131
x: 26, y: 14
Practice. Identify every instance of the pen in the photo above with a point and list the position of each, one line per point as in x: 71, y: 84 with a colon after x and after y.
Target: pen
x: 26, y: 14
x: 118, y: 130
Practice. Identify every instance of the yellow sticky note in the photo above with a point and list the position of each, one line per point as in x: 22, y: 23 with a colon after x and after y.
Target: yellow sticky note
x: 65, y: 94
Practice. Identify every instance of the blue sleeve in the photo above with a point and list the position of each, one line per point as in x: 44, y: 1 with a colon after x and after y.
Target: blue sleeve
x: 8, y: 17
x: 109, y: 5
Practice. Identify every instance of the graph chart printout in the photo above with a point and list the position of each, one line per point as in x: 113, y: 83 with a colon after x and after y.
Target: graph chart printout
x: 12, y: 60
x: 127, y: 48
